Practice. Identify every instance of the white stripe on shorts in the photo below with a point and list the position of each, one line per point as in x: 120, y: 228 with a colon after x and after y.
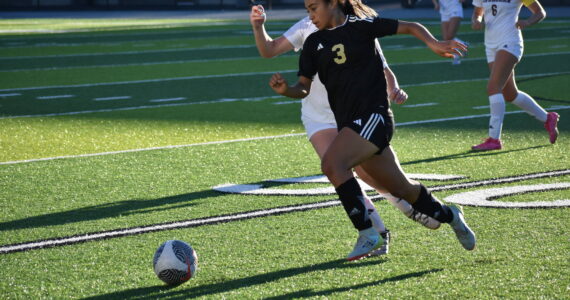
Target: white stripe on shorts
x: 371, y: 125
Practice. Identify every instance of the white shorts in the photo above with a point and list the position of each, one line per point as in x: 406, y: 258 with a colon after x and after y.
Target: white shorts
x: 450, y: 9
x: 514, y: 48
x: 312, y: 126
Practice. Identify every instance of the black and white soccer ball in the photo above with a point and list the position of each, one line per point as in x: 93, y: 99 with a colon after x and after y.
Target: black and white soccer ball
x: 175, y: 262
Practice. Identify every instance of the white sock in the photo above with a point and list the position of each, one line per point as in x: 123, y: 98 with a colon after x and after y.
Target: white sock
x: 497, y: 104
x: 377, y: 222
x: 525, y: 101
x: 403, y: 205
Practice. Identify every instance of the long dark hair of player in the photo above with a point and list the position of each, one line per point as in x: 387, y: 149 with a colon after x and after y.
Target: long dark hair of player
x: 355, y: 7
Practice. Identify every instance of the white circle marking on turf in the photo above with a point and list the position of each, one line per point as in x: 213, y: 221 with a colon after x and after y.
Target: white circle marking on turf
x: 486, y: 197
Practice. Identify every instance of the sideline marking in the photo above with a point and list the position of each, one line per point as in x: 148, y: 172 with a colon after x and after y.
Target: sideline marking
x: 246, y: 139
x: 76, y: 239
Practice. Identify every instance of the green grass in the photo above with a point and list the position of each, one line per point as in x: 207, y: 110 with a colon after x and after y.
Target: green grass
x: 521, y: 253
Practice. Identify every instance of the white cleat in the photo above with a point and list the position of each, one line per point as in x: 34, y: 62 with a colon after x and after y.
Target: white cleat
x: 385, y: 247
x: 464, y: 234
x: 368, y: 241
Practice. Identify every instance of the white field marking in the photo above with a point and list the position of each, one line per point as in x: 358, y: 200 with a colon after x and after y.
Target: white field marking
x: 287, y: 102
x: 557, y: 46
x: 481, y: 107
x: 112, y: 98
x: 127, y: 52
x: 259, y: 189
x: 486, y: 197
x: 10, y: 95
x: 324, y: 179
x: 240, y: 140
x: 252, y: 58
x: 62, y: 241
x: 54, y: 97
x: 146, y: 81
x: 420, y: 104
x: 168, y: 62
x: 223, y: 100
x: 167, y: 99
x: 154, y: 148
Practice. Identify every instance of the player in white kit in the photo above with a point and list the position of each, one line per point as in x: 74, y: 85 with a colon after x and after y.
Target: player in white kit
x: 318, y: 119
x: 504, y: 48
x: 451, y: 12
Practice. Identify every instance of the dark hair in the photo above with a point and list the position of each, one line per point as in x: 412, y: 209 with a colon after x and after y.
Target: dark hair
x: 356, y: 8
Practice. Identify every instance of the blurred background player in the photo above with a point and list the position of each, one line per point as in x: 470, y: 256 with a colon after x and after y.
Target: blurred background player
x: 504, y: 48
x: 451, y: 12
x: 318, y: 118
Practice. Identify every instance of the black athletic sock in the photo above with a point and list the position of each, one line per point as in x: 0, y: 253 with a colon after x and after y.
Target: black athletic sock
x: 351, y: 197
x: 429, y: 205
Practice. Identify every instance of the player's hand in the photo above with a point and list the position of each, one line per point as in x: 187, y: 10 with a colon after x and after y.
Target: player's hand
x: 449, y: 48
x: 477, y: 25
x: 398, y: 96
x: 522, y: 24
x: 436, y: 6
x: 257, y: 16
x: 278, y: 84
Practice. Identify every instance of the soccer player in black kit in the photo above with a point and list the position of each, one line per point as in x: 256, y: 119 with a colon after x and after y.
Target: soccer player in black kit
x: 342, y: 52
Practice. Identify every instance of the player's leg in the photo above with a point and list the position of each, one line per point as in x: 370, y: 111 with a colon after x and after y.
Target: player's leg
x: 386, y: 169
x: 525, y: 102
x: 321, y: 136
x: 346, y: 151
x: 501, y: 68
x: 402, y: 205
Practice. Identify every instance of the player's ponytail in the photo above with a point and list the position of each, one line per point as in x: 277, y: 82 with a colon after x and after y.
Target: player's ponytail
x: 357, y: 8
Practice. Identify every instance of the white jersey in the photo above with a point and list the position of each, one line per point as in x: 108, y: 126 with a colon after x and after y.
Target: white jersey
x: 500, y: 18
x: 316, y: 105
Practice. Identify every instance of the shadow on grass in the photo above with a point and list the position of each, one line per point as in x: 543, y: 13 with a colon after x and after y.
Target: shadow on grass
x: 108, y: 210
x: 469, y: 153
x: 210, y: 290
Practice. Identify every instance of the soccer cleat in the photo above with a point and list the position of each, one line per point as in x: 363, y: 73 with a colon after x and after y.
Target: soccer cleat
x: 551, y: 125
x: 489, y: 144
x: 384, y: 247
x: 464, y: 234
x: 368, y: 240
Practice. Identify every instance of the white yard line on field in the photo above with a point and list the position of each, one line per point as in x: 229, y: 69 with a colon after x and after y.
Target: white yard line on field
x: 112, y: 98
x: 167, y: 99
x: 102, y: 235
x: 247, y: 139
x: 10, y: 95
x: 54, y: 97
x: 420, y: 104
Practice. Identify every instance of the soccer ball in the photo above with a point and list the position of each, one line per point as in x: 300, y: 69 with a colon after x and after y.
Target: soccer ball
x: 175, y: 262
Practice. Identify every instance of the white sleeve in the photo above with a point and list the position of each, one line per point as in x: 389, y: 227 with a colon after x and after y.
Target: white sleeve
x: 478, y: 3
x: 297, y: 34
x: 384, y: 62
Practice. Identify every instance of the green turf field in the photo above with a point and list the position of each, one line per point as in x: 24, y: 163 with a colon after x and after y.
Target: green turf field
x: 114, y: 134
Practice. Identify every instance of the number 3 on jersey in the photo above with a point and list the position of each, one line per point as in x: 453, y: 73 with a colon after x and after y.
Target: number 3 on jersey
x: 341, y: 56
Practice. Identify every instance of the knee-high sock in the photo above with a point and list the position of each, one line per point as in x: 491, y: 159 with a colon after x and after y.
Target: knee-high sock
x: 352, y: 200
x: 373, y: 215
x: 497, y: 105
x: 526, y: 103
x: 429, y: 205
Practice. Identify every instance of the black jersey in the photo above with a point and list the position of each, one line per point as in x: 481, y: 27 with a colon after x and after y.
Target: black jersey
x: 349, y: 65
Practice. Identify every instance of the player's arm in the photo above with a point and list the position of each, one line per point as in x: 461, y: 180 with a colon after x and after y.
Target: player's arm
x: 266, y: 46
x: 538, y: 14
x: 395, y: 94
x: 300, y: 90
x: 477, y: 18
x: 441, y: 48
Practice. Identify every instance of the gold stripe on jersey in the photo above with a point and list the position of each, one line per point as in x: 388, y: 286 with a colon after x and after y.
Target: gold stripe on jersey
x: 527, y: 3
